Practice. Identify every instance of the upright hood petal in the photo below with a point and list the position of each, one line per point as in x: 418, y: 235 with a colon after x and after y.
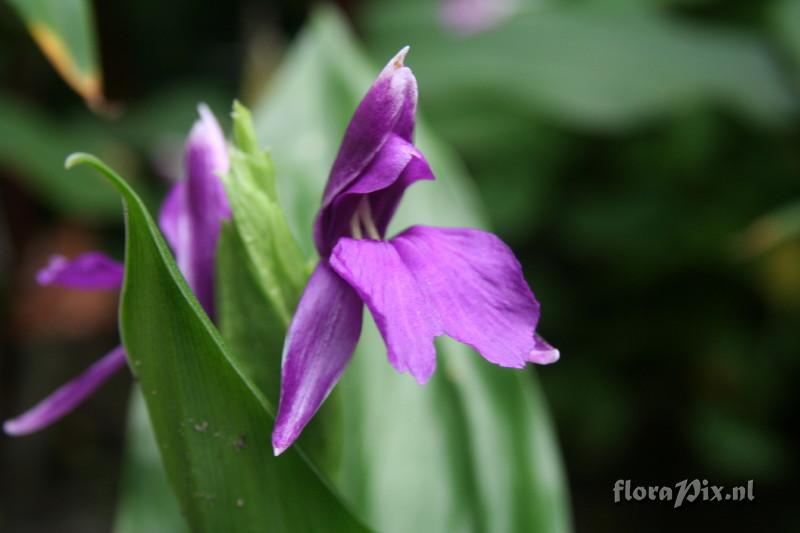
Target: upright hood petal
x: 374, y: 154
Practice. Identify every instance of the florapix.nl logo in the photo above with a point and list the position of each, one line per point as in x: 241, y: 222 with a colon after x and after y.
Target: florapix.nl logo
x: 682, y: 491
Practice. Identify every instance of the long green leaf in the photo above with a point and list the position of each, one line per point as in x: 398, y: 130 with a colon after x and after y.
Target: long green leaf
x: 211, y: 424
x: 64, y: 30
x: 473, y: 450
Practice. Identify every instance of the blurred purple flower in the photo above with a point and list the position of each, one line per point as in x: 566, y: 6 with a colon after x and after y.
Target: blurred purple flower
x: 474, y: 16
x: 190, y: 217
x: 423, y: 283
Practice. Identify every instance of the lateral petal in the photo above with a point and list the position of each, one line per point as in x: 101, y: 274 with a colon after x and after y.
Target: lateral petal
x: 402, y: 312
x: 463, y: 283
x: 67, y: 397
x: 320, y: 342
x: 88, y: 271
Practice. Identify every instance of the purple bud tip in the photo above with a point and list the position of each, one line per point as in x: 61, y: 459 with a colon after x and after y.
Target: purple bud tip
x: 206, y: 137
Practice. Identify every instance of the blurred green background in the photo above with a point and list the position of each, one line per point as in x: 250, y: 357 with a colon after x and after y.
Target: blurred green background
x: 641, y: 157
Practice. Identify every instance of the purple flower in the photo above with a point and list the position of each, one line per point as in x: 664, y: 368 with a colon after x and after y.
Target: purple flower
x: 468, y: 17
x: 420, y: 284
x: 190, y: 217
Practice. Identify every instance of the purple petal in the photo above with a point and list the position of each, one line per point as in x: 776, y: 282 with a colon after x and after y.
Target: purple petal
x: 433, y: 281
x: 376, y: 149
x: 192, y: 214
x: 66, y: 397
x: 91, y: 270
x: 402, y: 312
x: 319, y: 344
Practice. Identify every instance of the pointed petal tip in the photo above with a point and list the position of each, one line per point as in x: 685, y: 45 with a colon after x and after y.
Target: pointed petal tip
x: 207, y: 139
x: 209, y: 120
x: 204, y: 111
x: 545, y: 357
x: 277, y: 450
x: 543, y: 352
x: 280, y: 443
x: 396, y: 63
x: 399, y: 60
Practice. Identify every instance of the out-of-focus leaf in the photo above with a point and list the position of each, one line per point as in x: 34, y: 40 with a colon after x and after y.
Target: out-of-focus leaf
x: 473, y: 450
x: 211, y: 424
x: 32, y: 146
x: 591, y: 64
x: 774, y: 229
x: 149, y: 504
x: 785, y: 14
x: 64, y: 30
x: 164, y: 118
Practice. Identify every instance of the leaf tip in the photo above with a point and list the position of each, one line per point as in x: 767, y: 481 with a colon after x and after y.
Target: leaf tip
x: 77, y: 158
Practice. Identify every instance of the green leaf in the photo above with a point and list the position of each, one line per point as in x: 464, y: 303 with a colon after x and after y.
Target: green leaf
x: 149, y: 503
x: 784, y: 17
x: 211, y: 424
x: 64, y: 30
x: 473, y: 450
x: 590, y: 64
